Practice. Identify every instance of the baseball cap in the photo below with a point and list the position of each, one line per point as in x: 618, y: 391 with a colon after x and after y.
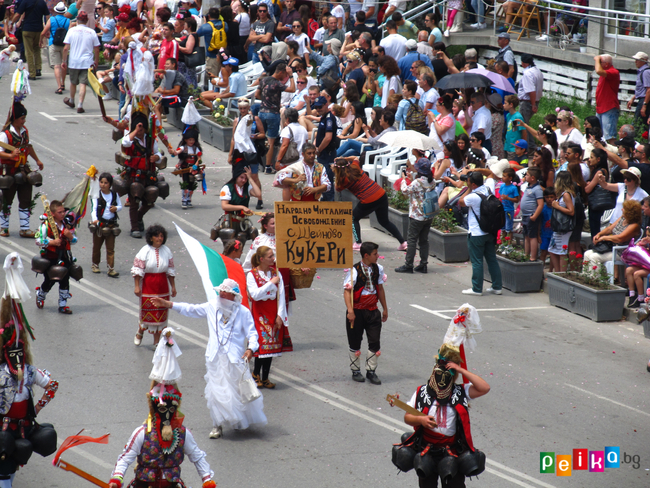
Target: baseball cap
x: 641, y: 56
x: 521, y: 144
x: 411, y: 45
x: 636, y: 172
x: 231, y: 62
x: 504, y: 35
x: 423, y: 165
x: 82, y: 16
x: 320, y: 102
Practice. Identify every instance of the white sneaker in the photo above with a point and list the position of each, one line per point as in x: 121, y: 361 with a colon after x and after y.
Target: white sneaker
x: 108, y: 96
x: 543, y: 37
x: 446, y: 33
x: 475, y: 26
x: 470, y: 291
x: 216, y: 432
x: 493, y: 291
x: 456, y: 28
x: 482, y: 26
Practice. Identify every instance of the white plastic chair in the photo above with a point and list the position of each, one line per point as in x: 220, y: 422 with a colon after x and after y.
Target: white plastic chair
x: 368, y: 114
x: 399, y: 165
x: 615, y: 261
x: 370, y: 168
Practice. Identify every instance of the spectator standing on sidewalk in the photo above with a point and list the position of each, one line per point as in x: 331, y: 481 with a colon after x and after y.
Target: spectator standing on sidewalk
x: 82, y: 43
x: 481, y: 244
x: 32, y: 26
x: 607, y: 104
x: 531, y: 87
x: 641, y: 90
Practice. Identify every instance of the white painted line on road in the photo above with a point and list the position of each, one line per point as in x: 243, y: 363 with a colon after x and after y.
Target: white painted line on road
x: 498, y: 309
x: 608, y: 400
x: 432, y: 312
x: 324, y: 399
x: 176, y: 217
x: 286, y: 378
x: 47, y: 116
x: 99, y: 461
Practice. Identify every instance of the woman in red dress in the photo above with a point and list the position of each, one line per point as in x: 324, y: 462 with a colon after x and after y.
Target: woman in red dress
x: 154, y: 274
x: 266, y: 291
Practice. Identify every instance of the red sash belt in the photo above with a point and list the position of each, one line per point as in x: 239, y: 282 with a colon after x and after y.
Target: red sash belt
x: 366, y: 302
x: 438, y: 439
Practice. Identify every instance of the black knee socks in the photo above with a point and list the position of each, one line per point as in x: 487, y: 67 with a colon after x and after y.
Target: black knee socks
x: 263, y: 365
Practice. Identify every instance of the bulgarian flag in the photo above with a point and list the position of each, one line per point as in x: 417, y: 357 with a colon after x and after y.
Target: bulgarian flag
x: 213, y: 267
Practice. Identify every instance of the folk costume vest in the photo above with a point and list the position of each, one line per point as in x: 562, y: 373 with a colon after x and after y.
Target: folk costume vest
x: 296, y: 194
x: 53, y: 252
x: 365, y: 302
x: 20, y: 142
x: 101, y: 207
x: 156, y: 462
x: 458, y: 401
x: 139, y: 154
x: 236, y: 198
x: 9, y: 387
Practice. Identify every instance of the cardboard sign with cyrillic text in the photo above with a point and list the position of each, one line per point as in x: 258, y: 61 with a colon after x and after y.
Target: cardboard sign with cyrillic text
x: 313, y: 234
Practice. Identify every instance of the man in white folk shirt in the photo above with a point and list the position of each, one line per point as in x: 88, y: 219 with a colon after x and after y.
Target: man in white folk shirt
x: 230, y: 324
x: 305, y: 180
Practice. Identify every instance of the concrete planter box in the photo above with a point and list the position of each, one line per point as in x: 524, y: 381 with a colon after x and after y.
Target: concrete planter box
x: 597, y: 305
x: 448, y: 248
x: 518, y: 277
x: 397, y: 217
x: 214, y: 134
x: 646, y: 329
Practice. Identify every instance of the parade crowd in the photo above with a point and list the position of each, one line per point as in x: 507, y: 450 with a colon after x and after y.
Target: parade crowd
x: 320, y: 87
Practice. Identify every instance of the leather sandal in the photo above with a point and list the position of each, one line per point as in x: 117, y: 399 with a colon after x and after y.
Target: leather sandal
x: 27, y: 233
x: 59, y: 90
x: 4, y: 232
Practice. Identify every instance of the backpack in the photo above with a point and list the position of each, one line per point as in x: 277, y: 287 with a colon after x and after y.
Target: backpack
x: 218, y: 35
x: 312, y: 27
x: 493, y: 216
x: 430, y: 207
x: 415, y: 119
x: 59, y: 35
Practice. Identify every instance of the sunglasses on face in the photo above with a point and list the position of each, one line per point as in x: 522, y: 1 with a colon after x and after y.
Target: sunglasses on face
x: 473, y: 140
x: 262, y: 11
x: 302, y: 83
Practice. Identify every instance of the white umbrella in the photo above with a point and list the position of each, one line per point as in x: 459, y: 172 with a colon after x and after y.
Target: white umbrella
x: 410, y: 139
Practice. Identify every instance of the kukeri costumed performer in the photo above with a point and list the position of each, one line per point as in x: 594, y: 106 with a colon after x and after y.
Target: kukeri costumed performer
x: 230, y: 324
x: 15, y: 134
x: 443, y: 437
x: 21, y: 434
x: 189, y: 153
x: 160, y: 444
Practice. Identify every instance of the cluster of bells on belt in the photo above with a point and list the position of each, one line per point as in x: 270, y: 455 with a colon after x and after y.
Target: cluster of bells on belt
x: 155, y: 187
x: 222, y: 230
x: 104, y: 229
x: 34, y: 178
x: 41, y: 440
x: 56, y: 272
x: 407, y: 456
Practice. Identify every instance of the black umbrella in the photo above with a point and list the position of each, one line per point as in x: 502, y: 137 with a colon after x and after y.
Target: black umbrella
x: 463, y: 80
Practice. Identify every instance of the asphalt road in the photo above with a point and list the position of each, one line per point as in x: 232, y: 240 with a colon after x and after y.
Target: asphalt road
x: 559, y: 382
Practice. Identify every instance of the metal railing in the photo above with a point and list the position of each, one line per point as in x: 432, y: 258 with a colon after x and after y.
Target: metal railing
x: 602, y: 20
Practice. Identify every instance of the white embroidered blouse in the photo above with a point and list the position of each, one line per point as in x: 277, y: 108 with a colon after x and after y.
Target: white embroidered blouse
x: 152, y: 260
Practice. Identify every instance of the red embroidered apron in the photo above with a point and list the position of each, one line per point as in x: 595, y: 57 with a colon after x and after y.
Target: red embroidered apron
x: 154, y: 285
x: 273, y: 341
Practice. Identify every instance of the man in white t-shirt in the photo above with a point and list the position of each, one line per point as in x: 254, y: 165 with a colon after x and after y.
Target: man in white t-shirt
x: 481, y: 244
x: 395, y: 6
x: 394, y: 44
x: 481, y: 119
x: 370, y: 8
x: 82, y: 43
x: 339, y: 13
x: 430, y: 95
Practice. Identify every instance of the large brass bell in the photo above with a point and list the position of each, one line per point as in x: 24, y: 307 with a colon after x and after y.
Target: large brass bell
x: 35, y: 179
x: 6, y: 182
x: 163, y: 189
x: 151, y: 193
x: 76, y: 272
x: 136, y: 190
x: 57, y: 273
x: 120, y: 185
x: 40, y: 264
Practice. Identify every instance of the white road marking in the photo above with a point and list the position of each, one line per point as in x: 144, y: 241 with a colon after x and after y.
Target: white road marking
x: 432, y: 312
x: 285, y: 378
x: 499, y: 309
x: 47, y: 116
x: 608, y: 400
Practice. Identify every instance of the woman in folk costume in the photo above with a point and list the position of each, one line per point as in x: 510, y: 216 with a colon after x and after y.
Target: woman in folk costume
x: 154, y: 275
x: 236, y: 195
x: 226, y: 357
x: 267, y: 238
x: 17, y: 378
x: 161, y: 443
x: 266, y: 291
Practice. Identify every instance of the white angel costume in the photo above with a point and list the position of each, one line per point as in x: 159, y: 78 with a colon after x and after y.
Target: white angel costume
x: 165, y: 359
x: 144, y: 76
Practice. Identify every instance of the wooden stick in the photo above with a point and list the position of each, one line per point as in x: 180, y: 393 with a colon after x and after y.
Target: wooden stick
x: 393, y: 400
x: 88, y: 477
x: 101, y: 105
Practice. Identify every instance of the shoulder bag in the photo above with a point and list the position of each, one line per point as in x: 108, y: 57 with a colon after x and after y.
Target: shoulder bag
x: 561, y: 222
x: 292, y: 155
x: 600, y: 199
